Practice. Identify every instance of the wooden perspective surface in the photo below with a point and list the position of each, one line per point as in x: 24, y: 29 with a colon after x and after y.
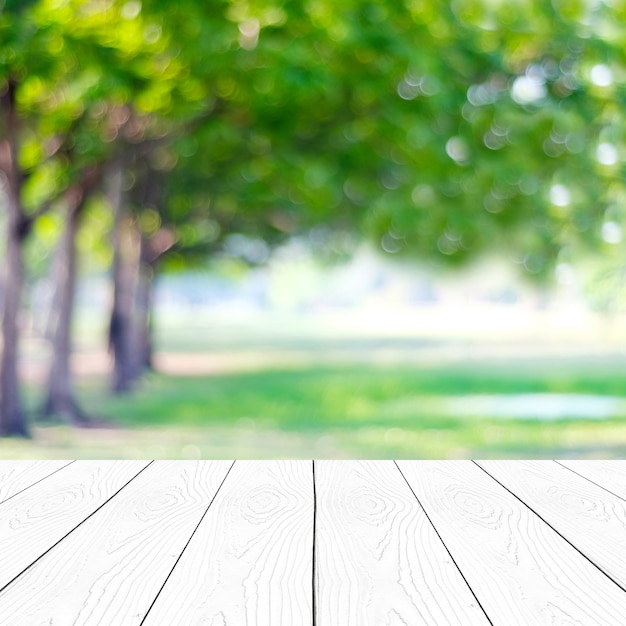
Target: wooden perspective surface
x: 379, y: 558
x: 592, y: 519
x: 107, y: 571
x: 522, y: 570
x: 15, y: 476
x: 325, y: 543
x: 250, y: 562
x: 36, y: 519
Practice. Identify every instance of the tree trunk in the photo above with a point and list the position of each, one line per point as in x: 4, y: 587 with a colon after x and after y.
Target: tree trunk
x: 12, y: 417
x: 60, y: 398
x: 152, y: 248
x: 123, y: 341
x: 144, y: 304
x: 136, y: 255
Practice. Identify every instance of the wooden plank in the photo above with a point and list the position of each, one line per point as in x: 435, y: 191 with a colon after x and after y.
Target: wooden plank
x: 379, y: 560
x: 15, y: 476
x: 250, y: 561
x: 589, y: 517
x: 34, y: 520
x: 610, y: 475
x: 109, y: 570
x: 520, y: 569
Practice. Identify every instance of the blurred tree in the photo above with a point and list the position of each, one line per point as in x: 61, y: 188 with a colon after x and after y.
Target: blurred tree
x: 509, y: 137
x: 437, y: 129
x: 60, y: 399
x: 67, y: 74
x: 450, y: 128
x: 241, y: 170
x: 32, y: 159
x: 137, y: 81
x: 139, y: 240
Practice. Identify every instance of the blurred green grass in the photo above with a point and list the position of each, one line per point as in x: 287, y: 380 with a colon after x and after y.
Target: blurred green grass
x: 339, y: 411
x: 322, y: 397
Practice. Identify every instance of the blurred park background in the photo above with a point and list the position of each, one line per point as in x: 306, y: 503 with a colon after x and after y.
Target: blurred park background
x: 287, y: 228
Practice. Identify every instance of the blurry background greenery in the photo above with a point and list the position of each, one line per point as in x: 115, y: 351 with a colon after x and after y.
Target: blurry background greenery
x: 179, y: 179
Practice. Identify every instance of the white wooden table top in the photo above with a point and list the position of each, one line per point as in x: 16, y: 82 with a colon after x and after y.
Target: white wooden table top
x: 324, y: 543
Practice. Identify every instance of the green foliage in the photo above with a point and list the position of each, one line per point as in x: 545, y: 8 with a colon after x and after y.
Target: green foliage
x: 436, y: 129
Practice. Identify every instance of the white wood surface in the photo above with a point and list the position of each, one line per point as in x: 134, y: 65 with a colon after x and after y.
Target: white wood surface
x: 109, y: 570
x: 610, y: 475
x: 15, y: 476
x: 591, y: 518
x: 104, y: 542
x: 37, y: 518
x: 379, y: 560
x: 522, y: 571
x: 250, y: 561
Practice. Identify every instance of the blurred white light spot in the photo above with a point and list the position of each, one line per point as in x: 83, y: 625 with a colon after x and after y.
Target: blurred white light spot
x: 390, y: 244
x: 485, y: 93
x: 492, y: 204
x: 131, y: 10
x: 429, y: 86
x: 560, y: 195
x: 407, y: 91
x: 410, y: 78
x: 611, y: 232
x: 456, y: 149
x: 493, y: 141
x: 575, y: 143
x: 606, y: 153
x: 413, y: 85
x: 152, y: 33
x: 528, y: 185
x: 423, y: 194
x: 249, y: 30
x: 191, y: 452
x: 527, y: 89
x: 565, y: 274
x: 601, y: 75
x: 552, y: 149
x: 248, y: 248
x: 395, y: 436
x: 533, y: 263
x: 475, y: 95
x: 446, y: 245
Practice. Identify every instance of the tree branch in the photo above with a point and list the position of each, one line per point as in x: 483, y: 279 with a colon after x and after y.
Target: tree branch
x: 145, y: 147
x: 8, y: 154
x: 87, y: 181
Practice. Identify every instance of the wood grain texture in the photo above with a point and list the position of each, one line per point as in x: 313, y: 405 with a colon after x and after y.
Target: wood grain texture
x: 15, y: 476
x: 379, y: 560
x: 610, y: 475
x: 109, y: 570
x: 250, y: 561
x: 34, y: 520
x: 591, y: 518
x: 521, y: 570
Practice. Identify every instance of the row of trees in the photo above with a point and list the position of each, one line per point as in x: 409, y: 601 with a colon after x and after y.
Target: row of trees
x: 436, y: 129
